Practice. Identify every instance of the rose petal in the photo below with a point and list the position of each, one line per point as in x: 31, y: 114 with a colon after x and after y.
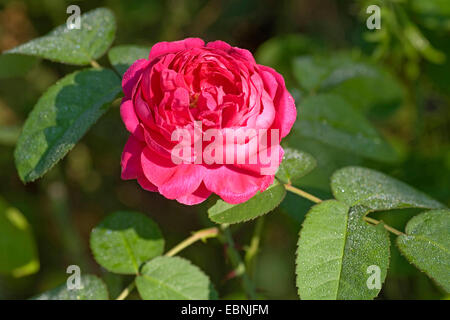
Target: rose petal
x: 156, y: 169
x: 145, y: 184
x: 270, y: 83
x: 164, y: 47
x: 130, y: 119
x: 198, y: 196
x: 264, y: 169
x: 185, y: 181
x: 131, y: 163
x: 131, y: 77
x: 286, y: 113
x: 234, y: 185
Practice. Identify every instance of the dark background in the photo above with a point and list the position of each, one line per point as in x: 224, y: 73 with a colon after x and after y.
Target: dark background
x: 85, y: 186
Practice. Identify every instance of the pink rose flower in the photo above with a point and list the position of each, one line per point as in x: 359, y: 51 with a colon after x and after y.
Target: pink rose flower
x: 186, y: 83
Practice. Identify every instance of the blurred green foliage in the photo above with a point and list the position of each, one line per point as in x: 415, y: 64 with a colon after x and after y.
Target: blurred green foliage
x: 406, y: 99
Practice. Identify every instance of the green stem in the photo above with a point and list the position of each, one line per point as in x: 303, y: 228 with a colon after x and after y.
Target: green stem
x: 253, y: 249
x: 198, y: 235
x: 237, y: 263
x: 127, y: 291
x: 388, y: 228
x: 95, y: 64
x: 302, y: 193
x: 312, y: 198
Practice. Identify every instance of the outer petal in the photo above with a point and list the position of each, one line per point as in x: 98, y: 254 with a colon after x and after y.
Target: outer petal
x: 219, y: 44
x: 234, y: 51
x: 131, y: 158
x: 173, y: 181
x: 245, y: 53
x: 263, y: 169
x: 270, y: 83
x: 132, y: 76
x: 233, y: 185
x: 162, y: 48
x: 286, y: 113
x: 145, y: 184
x: 130, y: 119
x: 200, y: 195
x: 185, y: 181
x: 156, y: 169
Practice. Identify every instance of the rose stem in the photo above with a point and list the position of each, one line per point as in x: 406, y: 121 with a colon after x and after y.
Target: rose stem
x: 198, y: 235
x: 238, y: 264
x: 126, y: 291
x: 389, y: 228
x: 95, y: 64
x: 312, y: 198
x: 253, y: 249
x: 302, y: 193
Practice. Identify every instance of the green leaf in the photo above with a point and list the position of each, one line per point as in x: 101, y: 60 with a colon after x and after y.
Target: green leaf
x: 297, y: 207
x: 336, y: 250
x: 295, y: 165
x: 125, y: 240
x: 122, y: 57
x: 93, y: 288
x: 310, y: 71
x: 380, y: 94
x: 18, y: 251
x: 331, y: 120
x: 76, y: 46
x: 362, y: 186
x: 361, y: 83
x: 320, y: 72
x: 61, y: 117
x: 278, y: 52
x: 15, y: 65
x: 426, y: 244
x: 261, y: 203
x: 328, y: 159
x: 173, y: 278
